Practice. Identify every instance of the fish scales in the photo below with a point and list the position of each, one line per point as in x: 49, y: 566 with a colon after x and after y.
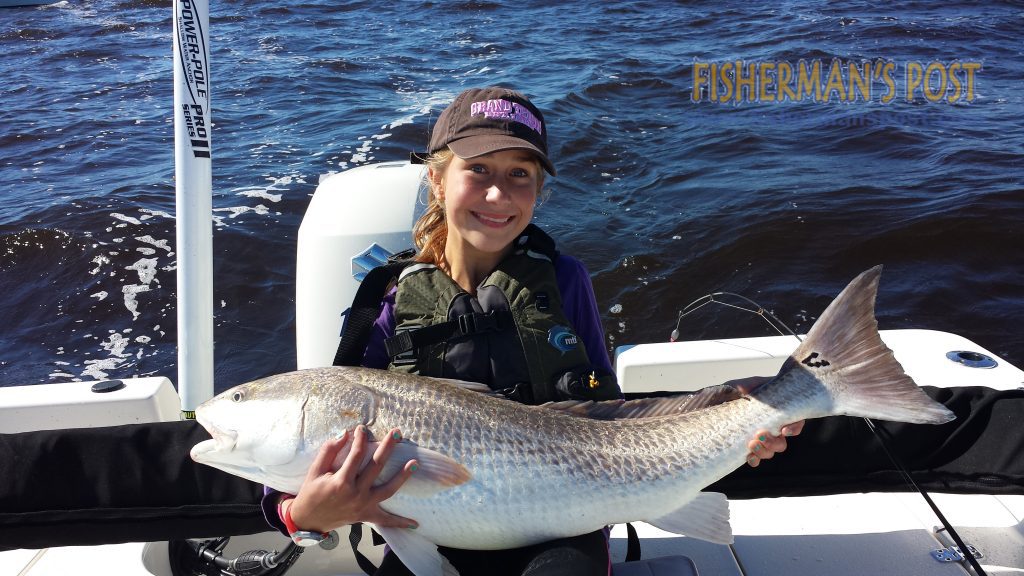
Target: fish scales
x: 575, y: 459
x: 629, y: 466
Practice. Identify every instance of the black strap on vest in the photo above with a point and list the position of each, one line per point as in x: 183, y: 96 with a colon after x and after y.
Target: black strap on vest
x: 364, y: 311
x: 464, y: 325
x: 535, y: 239
x: 355, y: 335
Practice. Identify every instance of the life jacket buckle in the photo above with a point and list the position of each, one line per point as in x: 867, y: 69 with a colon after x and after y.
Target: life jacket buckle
x: 475, y: 322
x: 400, y: 347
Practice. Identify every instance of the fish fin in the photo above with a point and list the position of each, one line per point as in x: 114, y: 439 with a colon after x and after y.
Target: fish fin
x: 471, y: 386
x: 417, y: 553
x: 705, y: 517
x: 648, y: 407
x: 845, y: 353
x: 435, y: 471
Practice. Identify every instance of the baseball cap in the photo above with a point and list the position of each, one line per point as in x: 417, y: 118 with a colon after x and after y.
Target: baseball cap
x: 484, y: 120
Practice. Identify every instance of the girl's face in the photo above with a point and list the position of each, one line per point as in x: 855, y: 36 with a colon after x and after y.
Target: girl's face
x: 488, y: 201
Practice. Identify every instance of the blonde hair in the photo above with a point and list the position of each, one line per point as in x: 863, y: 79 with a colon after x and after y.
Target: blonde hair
x: 430, y: 233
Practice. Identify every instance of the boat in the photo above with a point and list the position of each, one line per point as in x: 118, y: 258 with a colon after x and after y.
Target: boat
x: 360, y: 216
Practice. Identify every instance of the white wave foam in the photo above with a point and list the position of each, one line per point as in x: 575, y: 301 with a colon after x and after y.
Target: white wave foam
x: 97, y: 369
x: 131, y: 292
x: 162, y: 244
x: 236, y: 211
x: 115, y: 345
x: 260, y: 194
x: 146, y: 268
x: 128, y: 219
x: 151, y: 213
x: 100, y: 261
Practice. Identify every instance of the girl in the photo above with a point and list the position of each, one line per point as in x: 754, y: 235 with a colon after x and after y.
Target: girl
x: 488, y: 300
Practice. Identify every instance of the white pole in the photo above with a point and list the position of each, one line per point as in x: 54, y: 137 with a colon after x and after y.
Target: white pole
x: 193, y: 187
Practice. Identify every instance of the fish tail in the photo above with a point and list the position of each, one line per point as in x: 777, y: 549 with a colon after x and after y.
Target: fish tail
x: 845, y: 353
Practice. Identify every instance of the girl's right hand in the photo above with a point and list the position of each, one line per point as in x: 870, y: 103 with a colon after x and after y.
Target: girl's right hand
x: 329, y: 499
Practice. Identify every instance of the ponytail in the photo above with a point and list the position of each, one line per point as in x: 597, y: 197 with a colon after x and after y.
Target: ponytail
x: 430, y: 232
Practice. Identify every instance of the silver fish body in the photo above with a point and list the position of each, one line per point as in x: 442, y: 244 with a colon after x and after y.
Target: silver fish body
x: 495, y: 474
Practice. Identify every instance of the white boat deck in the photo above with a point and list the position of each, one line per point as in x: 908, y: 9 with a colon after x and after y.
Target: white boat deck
x: 850, y: 534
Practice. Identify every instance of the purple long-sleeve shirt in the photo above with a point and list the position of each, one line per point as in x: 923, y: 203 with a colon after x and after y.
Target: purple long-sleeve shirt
x: 578, y: 303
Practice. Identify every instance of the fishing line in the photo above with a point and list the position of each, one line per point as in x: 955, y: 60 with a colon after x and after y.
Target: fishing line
x: 774, y: 322
x: 703, y: 301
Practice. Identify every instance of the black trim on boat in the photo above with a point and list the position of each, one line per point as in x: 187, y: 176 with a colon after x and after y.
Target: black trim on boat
x: 137, y: 483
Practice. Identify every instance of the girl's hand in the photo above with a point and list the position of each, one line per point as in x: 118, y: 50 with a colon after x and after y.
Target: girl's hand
x: 765, y: 444
x: 329, y: 499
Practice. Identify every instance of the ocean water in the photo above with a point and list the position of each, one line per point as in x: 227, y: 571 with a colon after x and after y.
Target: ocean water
x: 663, y: 193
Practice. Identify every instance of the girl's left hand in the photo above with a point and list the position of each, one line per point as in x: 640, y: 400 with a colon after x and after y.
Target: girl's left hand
x: 765, y: 444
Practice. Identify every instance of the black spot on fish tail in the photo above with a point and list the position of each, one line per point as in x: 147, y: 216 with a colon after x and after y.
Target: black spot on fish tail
x: 816, y: 364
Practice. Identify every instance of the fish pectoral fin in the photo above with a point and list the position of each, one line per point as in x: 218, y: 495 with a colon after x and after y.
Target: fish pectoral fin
x: 435, y: 471
x: 417, y: 553
x: 705, y: 517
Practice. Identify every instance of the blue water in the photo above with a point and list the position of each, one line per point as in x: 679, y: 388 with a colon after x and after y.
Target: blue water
x: 665, y: 199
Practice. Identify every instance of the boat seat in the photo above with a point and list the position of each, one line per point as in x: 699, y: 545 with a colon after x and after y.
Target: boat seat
x: 664, y: 566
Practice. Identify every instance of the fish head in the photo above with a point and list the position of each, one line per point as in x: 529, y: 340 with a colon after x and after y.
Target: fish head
x: 269, y: 430
x: 255, y: 428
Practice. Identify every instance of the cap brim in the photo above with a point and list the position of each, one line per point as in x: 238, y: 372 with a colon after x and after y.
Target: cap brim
x: 473, y: 146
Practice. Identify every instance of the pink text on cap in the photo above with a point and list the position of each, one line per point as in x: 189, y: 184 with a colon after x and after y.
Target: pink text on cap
x: 504, y: 110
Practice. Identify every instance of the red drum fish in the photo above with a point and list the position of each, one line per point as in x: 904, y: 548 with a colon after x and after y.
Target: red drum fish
x: 496, y: 474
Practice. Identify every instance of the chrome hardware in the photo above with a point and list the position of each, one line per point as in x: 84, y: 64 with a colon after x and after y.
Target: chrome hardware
x: 972, y: 359
x: 953, y: 554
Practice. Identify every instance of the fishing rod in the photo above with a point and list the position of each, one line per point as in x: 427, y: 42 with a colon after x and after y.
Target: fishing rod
x: 966, y: 553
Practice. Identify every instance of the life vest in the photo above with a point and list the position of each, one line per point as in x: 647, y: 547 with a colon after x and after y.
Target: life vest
x: 512, y: 335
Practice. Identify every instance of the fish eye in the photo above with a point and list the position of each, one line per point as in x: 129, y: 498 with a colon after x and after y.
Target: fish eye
x: 238, y: 396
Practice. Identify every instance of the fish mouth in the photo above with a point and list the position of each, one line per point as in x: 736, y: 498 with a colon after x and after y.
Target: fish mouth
x: 222, y: 441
